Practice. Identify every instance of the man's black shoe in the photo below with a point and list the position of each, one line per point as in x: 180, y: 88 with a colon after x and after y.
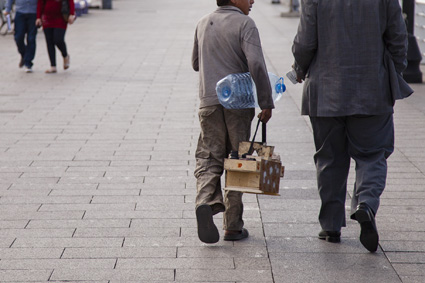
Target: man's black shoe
x: 330, y: 236
x: 369, y: 234
x: 21, y: 63
x: 207, y: 231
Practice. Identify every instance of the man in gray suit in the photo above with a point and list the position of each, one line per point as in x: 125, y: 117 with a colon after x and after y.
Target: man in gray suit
x: 351, y: 53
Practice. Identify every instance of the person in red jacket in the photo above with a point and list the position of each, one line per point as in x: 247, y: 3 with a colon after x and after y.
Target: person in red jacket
x: 49, y: 15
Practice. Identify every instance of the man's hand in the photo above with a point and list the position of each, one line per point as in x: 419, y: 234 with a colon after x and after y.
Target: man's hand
x: 265, y: 115
x: 6, y: 13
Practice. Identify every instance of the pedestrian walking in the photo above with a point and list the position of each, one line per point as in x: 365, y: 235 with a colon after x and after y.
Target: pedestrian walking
x: 50, y: 15
x: 25, y: 30
x: 350, y: 55
x: 226, y: 42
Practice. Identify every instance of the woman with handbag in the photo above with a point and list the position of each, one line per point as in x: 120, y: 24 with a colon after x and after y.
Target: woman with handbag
x: 54, y: 16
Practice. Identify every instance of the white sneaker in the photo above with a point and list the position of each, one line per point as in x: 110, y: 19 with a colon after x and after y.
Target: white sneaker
x: 28, y: 70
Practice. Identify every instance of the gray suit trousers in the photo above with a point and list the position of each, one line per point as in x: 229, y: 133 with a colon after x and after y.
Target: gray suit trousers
x: 369, y: 141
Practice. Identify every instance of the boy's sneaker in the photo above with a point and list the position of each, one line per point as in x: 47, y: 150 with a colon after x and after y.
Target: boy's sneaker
x: 21, y: 63
x: 28, y: 70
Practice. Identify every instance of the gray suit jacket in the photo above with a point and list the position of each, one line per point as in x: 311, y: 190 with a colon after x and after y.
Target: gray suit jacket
x: 340, y: 49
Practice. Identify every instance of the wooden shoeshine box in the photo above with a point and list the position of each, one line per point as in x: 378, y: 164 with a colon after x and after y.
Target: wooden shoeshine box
x: 258, y: 174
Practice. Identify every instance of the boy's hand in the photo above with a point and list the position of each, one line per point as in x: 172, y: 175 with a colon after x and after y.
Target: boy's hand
x: 265, y: 115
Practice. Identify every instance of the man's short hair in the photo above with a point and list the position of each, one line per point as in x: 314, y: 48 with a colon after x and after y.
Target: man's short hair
x: 222, y: 2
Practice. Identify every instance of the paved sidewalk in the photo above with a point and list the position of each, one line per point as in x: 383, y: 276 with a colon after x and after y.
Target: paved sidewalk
x: 96, y: 165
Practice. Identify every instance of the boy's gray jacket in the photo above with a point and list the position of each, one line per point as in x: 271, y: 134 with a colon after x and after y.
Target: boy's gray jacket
x: 348, y: 50
x: 227, y: 42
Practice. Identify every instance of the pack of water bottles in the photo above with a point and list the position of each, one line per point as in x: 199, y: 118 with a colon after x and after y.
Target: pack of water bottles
x: 238, y: 91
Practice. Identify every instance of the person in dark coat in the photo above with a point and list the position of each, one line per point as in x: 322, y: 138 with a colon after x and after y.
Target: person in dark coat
x: 350, y: 55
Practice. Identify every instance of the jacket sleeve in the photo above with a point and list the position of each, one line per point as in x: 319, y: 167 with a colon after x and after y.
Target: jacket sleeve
x: 395, y: 36
x: 305, y: 42
x: 195, y: 54
x: 8, y: 5
x: 40, y: 8
x: 251, y: 46
x: 71, y: 7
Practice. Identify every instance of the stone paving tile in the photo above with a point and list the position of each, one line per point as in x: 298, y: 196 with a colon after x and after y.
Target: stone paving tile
x: 176, y: 241
x: 211, y: 275
x: 46, y: 264
x: 17, y: 224
x: 127, y: 214
x: 69, y: 281
x: 33, y: 214
x: 403, y: 246
x: 120, y: 252
x: 328, y: 267
x: 82, y: 223
x: 410, y: 269
x: 126, y: 232
x: 412, y: 279
x: 87, y: 207
x: 45, y: 200
x: 31, y: 253
x: 278, y: 245
x: 221, y: 252
x: 154, y: 281
x: 125, y: 275
x: 37, y: 233
x: 24, y: 275
x: 406, y: 257
x: 176, y: 263
x: 24, y: 192
x: 95, y: 192
x: 74, y: 242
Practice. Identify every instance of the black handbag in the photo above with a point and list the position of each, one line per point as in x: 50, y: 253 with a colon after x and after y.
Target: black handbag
x: 65, y: 10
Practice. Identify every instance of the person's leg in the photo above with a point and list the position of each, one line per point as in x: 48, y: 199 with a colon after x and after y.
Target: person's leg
x: 238, y: 124
x: 48, y: 33
x: 370, y: 143
x: 31, y: 39
x: 210, y: 154
x: 332, y: 165
x: 20, y: 30
x: 60, y: 43
x: 59, y: 39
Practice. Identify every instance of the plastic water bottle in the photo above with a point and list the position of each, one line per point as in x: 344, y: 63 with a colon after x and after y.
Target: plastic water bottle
x: 238, y: 91
x: 9, y: 23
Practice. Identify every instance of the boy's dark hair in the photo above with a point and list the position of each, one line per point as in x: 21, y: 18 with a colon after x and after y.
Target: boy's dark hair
x: 222, y: 2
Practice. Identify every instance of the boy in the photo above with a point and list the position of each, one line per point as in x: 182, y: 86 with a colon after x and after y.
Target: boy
x: 226, y: 42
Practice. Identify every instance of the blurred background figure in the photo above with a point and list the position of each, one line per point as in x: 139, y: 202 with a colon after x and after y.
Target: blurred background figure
x: 25, y: 30
x: 54, y: 16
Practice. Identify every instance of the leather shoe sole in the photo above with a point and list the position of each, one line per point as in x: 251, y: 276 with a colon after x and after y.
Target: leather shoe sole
x: 369, y: 234
x: 207, y: 231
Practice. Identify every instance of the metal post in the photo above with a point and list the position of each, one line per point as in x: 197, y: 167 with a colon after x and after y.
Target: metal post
x: 412, y: 74
x: 106, y: 4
